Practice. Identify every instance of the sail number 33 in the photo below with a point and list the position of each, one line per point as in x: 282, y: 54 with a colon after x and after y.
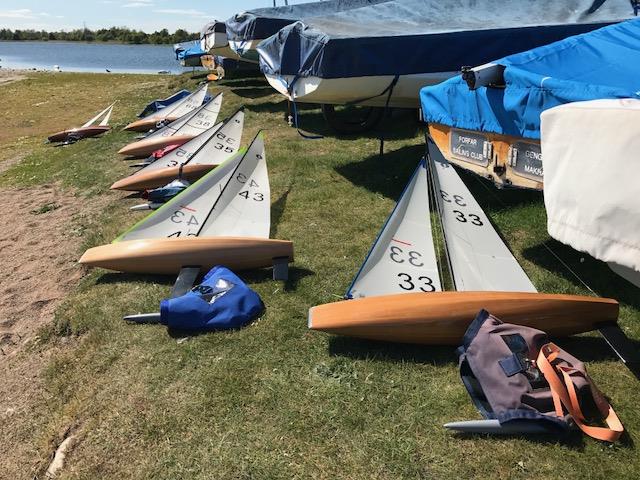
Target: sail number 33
x: 406, y: 281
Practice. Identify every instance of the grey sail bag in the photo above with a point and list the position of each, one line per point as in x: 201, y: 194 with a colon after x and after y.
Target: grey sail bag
x: 516, y: 376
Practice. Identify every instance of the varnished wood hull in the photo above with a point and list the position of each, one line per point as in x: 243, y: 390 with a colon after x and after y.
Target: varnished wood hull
x: 441, y: 318
x: 146, y: 124
x: 169, y: 255
x: 146, y: 147
x: 78, y: 133
x: 507, y: 161
x: 160, y: 177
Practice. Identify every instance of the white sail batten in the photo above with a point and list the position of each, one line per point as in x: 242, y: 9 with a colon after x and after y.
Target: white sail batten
x: 478, y: 257
x: 184, y: 215
x: 90, y: 122
x: 244, y: 206
x: 212, y: 147
x: 403, y: 258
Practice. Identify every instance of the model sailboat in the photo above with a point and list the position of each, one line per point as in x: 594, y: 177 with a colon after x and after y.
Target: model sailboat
x: 398, y: 291
x: 87, y: 130
x: 191, y: 160
x: 224, y: 218
x: 171, y: 112
x: 179, y: 131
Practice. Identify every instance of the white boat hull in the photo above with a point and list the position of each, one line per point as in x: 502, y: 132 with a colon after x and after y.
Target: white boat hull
x: 339, y: 91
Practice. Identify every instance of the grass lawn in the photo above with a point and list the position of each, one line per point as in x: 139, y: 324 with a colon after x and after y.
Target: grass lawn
x: 274, y: 400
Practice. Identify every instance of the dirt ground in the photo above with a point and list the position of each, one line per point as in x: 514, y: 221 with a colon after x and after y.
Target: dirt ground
x: 8, y: 75
x: 38, y: 267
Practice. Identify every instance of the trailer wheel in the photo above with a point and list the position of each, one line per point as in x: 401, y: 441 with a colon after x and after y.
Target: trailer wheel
x: 352, y: 118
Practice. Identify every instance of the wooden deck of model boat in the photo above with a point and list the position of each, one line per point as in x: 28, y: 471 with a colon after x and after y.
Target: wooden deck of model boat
x: 505, y: 160
x: 145, y: 147
x: 169, y: 255
x: 441, y: 318
x: 78, y: 133
x: 146, y: 124
x: 161, y: 176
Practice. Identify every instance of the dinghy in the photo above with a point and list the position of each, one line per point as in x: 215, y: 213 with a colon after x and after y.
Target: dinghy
x: 383, y: 54
x: 178, y: 132
x: 87, y: 130
x: 488, y: 120
x: 224, y: 218
x: 171, y: 112
x: 191, y: 160
x: 397, y: 294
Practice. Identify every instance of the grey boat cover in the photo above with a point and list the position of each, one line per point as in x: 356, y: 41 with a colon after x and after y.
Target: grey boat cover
x: 403, y: 37
x: 261, y: 23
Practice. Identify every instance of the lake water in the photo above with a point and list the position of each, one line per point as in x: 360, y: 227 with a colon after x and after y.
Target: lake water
x: 89, y: 57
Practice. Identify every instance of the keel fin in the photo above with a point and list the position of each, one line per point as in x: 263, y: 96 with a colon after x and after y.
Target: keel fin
x: 184, y: 282
x: 281, y: 268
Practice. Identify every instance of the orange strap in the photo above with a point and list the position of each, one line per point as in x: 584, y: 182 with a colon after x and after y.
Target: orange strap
x: 564, y: 393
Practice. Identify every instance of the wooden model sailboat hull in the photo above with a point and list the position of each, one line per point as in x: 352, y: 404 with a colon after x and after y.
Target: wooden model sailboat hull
x: 146, y: 124
x: 441, y: 318
x: 78, y: 133
x: 162, y: 176
x: 505, y: 160
x: 146, y: 147
x: 169, y: 255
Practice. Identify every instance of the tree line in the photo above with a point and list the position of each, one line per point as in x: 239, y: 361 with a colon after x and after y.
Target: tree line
x: 113, y: 34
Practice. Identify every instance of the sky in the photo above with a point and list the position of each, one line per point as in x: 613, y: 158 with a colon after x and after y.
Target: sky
x: 146, y: 15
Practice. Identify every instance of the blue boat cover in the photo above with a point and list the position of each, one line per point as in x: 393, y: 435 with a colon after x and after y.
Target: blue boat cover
x: 222, y: 301
x: 261, y: 23
x: 185, y: 51
x: 159, y: 104
x: 601, y: 64
x: 402, y: 37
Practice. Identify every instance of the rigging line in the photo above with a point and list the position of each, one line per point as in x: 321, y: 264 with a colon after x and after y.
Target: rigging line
x: 439, y: 231
x: 544, y: 244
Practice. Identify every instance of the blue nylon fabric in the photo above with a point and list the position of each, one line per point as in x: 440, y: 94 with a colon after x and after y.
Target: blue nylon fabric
x: 195, y: 50
x: 402, y: 37
x: 600, y: 64
x: 164, y: 194
x: 234, y: 309
x: 158, y: 104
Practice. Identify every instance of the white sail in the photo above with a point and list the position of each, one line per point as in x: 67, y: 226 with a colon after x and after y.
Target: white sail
x: 211, y: 147
x: 244, y: 207
x: 105, y: 120
x: 193, y: 123
x: 182, y: 106
x: 90, y: 122
x: 478, y: 257
x: 403, y: 258
x: 184, y: 214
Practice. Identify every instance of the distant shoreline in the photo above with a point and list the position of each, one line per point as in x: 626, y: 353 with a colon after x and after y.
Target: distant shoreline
x: 96, y: 42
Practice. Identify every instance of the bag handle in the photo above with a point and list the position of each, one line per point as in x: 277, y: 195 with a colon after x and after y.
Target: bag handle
x: 563, y: 392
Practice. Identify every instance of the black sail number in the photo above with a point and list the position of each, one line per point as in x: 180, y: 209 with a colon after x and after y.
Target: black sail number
x: 462, y: 218
x: 398, y: 255
x: 423, y: 282
x: 256, y: 196
x: 457, y: 199
x: 180, y: 217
